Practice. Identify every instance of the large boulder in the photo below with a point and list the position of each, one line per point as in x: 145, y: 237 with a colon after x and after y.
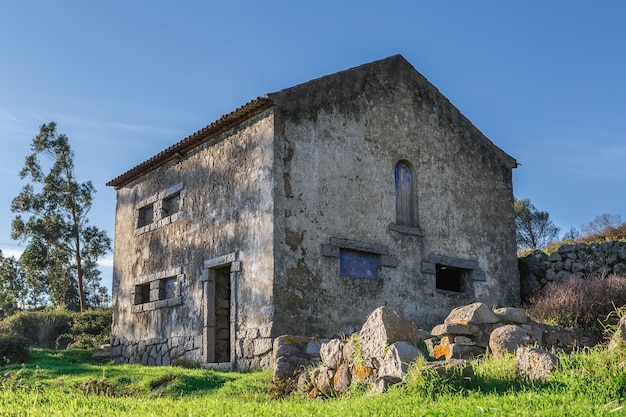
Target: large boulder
x: 292, y: 354
x: 342, y: 378
x: 383, y: 327
x: 398, y: 358
x: 455, y: 329
x: 535, y: 364
x: 511, y: 315
x: 507, y: 339
x: 476, y: 313
x: 331, y: 353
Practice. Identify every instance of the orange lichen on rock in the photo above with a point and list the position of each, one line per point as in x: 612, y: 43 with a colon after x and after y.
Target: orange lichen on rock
x: 442, y: 350
x: 361, y: 372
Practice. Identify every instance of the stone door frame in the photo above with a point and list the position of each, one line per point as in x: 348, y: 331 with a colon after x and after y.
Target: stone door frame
x: 208, y: 302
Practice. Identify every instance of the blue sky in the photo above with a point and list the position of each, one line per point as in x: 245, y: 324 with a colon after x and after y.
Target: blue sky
x: 544, y: 80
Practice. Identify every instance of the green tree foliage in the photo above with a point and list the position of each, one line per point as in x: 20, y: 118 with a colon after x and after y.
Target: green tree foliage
x: 62, y: 248
x: 534, y: 229
x: 13, y: 288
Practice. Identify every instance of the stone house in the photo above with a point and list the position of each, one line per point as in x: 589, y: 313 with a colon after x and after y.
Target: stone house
x: 301, y: 212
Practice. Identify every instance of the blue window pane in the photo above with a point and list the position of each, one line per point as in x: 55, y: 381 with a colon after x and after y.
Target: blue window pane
x: 358, y: 264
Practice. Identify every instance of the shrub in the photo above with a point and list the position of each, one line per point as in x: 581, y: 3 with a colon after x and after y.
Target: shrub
x: 40, y: 328
x: 93, y: 322
x: 579, y: 303
x: 91, y: 329
x: 59, y: 328
x: 13, y: 349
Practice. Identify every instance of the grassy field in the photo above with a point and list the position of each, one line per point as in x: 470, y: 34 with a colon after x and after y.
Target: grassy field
x: 68, y: 383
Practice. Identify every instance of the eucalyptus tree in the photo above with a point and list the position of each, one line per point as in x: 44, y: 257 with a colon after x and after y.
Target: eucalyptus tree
x: 62, y: 248
x: 13, y: 286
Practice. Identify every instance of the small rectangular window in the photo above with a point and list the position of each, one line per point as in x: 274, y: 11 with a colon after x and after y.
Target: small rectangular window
x: 171, y: 205
x: 142, y: 293
x: 167, y: 288
x: 146, y: 216
x: 450, y: 279
x: 357, y: 264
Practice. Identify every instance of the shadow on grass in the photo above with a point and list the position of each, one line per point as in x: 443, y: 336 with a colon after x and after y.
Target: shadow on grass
x: 511, y: 384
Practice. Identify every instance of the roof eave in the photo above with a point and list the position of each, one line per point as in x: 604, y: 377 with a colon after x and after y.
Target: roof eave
x: 224, y: 123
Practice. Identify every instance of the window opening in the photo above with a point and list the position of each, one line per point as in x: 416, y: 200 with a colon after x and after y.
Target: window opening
x: 142, y: 293
x: 450, y: 279
x: 167, y: 288
x: 405, y: 203
x: 171, y: 205
x: 357, y: 264
x: 146, y: 216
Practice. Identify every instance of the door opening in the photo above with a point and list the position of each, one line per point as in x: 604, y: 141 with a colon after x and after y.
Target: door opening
x: 222, y: 314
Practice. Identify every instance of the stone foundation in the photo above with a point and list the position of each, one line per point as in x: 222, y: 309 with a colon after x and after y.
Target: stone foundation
x: 164, y: 351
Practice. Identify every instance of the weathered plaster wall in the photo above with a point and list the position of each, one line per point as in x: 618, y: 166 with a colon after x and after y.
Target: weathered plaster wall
x: 227, y: 208
x: 338, y: 140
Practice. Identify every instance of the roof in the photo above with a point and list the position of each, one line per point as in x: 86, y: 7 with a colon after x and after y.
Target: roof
x: 310, y: 95
x: 203, y: 135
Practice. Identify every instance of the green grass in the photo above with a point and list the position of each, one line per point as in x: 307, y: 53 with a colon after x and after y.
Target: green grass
x: 68, y: 383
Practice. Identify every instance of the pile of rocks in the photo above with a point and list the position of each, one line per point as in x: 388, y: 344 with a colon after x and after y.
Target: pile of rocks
x: 387, y: 345
x: 469, y: 330
x: 379, y: 355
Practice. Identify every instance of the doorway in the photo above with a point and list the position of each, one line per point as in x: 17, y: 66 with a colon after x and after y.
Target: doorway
x: 221, y: 301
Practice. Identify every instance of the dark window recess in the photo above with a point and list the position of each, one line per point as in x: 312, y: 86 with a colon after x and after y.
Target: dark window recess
x: 450, y: 279
x: 142, y: 293
x: 146, y: 216
x: 171, y: 205
x: 167, y: 288
x: 405, y: 204
x: 358, y: 264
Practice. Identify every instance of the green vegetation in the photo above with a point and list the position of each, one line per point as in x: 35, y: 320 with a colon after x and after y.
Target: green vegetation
x: 59, y: 263
x: 60, y: 328
x: 66, y: 382
x: 533, y: 228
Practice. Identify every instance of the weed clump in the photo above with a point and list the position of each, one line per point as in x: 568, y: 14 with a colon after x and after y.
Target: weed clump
x: 580, y: 303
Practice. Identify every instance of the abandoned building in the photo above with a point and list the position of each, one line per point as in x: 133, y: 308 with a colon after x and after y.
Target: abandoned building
x: 301, y: 212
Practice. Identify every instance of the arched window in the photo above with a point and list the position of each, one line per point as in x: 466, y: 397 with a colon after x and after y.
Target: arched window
x: 405, y: 201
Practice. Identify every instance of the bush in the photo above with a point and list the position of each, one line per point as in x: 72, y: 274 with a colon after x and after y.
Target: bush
x: 579, y: 303
x: 59, y: 328
x: 40, y: 328
x: 91, y: 329
x: 13, y: 349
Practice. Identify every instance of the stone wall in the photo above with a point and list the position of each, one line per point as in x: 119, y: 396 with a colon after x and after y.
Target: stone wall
x: 158, y: 351
x: 571, y: 261
x: 167, y: 271
x: 335, y: 190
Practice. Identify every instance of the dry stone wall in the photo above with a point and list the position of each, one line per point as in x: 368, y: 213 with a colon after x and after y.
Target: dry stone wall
x: 571, y: 261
